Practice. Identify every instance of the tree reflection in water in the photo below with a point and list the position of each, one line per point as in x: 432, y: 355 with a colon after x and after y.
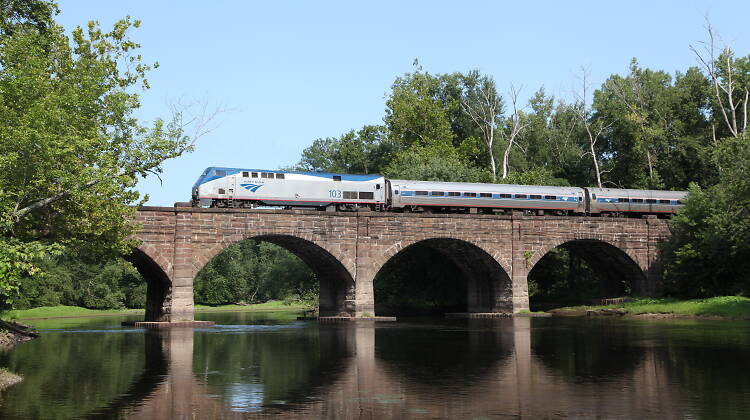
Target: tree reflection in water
x: 520, y: 367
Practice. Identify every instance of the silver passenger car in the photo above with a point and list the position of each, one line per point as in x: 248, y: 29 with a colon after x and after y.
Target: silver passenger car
x: 426, y: 194
x: 616, y: 201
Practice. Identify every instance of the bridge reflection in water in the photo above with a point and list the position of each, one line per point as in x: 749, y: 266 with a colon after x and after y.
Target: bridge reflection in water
x: 489, y: 368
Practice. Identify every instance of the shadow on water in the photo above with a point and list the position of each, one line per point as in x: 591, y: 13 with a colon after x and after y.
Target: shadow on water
x: 588, y: 350
x: 445, y: 352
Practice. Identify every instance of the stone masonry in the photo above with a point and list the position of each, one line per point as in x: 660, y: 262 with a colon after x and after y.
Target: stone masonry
x: 346, y: 251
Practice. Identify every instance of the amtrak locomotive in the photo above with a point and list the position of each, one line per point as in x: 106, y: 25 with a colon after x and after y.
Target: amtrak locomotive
x: 248, y: 188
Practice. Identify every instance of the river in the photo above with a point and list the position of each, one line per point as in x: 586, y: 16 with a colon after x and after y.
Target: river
x: 268, y: 365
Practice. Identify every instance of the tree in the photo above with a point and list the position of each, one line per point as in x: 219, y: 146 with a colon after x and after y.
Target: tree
x: 416, y: 114
x: 709, y: 252
x: 71, y: 150
x: 730, y: 79
x: 594, y: 127
x: 513, y: 127
x: 483, y: 105
x: 365, y: 151
x: 642, y: 92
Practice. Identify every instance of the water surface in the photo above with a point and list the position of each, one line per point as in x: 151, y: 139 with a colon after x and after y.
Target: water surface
x: 268, y: 365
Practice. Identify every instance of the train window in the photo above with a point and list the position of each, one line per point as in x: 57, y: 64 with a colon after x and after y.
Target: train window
x: 506, y: 196
x: 580, y: 198
x: 222, y: 191
x: 255, y: 174
x: 437, y: 194
x: 680, y: 202
x: 366, y: 195
x: 485, y: 195
x: 535, y: 197
x: 636, y: 200
x: 246, y: 174
x: 395, y: 192
x: 377, y: 187
x: 266, y: 175
x: 665, y: 202
x: 521, y: 196
x: 469, y: 194
x: 622, y: 200
x: 279, y: 176
x: 220, y: 172
x: 349, y: 195
x: 550, y: 197
x: 337, y: 178
x: 454, y: 194
x: 421, y: 193
x: 650, y: 200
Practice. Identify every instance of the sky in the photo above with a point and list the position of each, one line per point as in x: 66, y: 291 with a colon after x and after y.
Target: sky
x: 284, y: 73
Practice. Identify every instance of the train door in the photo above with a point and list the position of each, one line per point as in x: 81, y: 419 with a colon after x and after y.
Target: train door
x: 231, y: 186
x: 395, y: 195
x: 587, y: 201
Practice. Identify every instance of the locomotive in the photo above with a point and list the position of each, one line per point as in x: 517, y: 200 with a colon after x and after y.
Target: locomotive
x: 249, y: 188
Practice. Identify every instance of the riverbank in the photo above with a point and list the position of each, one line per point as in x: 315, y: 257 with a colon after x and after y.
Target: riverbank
x: 724, y: 307
x: 51, y: 312
x: 8, y: 378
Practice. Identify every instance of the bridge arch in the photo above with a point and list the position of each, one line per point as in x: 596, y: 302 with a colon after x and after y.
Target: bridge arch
x: 155, y: 269
x: 615, y: 265
x: 489, y: 285
x: 332, y: 267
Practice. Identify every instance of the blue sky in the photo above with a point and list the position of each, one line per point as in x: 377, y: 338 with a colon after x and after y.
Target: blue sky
x: 289, y: 72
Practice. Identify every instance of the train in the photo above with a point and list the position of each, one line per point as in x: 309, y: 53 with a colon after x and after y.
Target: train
x: 250, y: 188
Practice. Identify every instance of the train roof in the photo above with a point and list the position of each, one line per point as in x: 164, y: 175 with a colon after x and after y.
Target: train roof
x: 637, y: 193
x: 207, y: 174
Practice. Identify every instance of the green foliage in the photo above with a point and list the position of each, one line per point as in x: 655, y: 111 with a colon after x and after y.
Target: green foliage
x: 539, y: 176
x: 562, y: 278
x: 74, y: 281
x: 432, y: 165
x: 71, y: 149
x: 709, y: 252
x: 419, y: 280
x: 364, y: 151
x: 253, y: 271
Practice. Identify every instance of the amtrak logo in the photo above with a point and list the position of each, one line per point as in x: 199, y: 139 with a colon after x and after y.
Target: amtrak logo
x: 251, y: 187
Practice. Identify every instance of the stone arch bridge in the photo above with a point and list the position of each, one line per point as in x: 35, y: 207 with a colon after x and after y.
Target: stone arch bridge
x: 346, y: 250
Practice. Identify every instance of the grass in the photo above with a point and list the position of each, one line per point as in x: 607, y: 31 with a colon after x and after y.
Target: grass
x: 722, y: 306
x: 64, y: 311
x: 75, y: 311
x: 273, y: 305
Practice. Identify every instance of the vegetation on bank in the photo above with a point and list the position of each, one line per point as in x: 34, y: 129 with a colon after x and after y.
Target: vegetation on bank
x: 722, y: 306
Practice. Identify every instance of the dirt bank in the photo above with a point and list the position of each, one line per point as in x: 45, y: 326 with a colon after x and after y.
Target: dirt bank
x: 11, y: 334
x: 618, y: 312
x: 7, y: 379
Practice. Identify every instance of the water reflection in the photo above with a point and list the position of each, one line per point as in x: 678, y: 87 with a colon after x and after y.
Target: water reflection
x: 520, y: 367
x: 469, y: 369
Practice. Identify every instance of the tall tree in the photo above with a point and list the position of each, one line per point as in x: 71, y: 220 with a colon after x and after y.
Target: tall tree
x: 484, y: 106
x: 513, y: 126
x: 730, y: 79
x: 71, y: 149
x: 594, y: 127
x: 366, y: 151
